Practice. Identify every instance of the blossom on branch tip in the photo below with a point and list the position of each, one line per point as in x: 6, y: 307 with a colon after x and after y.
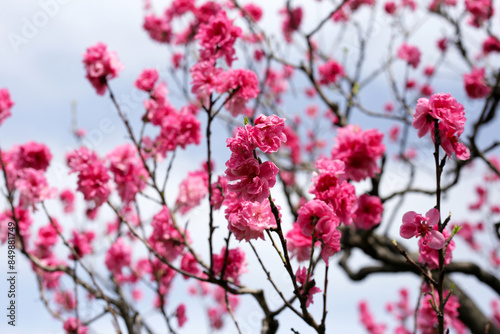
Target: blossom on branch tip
x: 5, y: 105
x: 415, y: 225
x: 409, y: 53
x: 101, y: 65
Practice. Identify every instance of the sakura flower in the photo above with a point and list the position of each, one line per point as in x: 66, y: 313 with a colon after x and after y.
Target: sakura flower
x: 301, y: 276
x: 165, y: 238
x: 147, y: 79
x: 190, y: 265
x: 32, y: 155
x: 5, y: 105
x: 254, y: 11
x: 476, y: 85
x: 235, y: 264
x: 192, y: 190
x: 101, y: 65
x: 298, y: 244
x: 409, y: 53
x: 359, y: 150
x: 217, y: 38
x: 248, y: 220
x: 430, y: 256
x: 427, y: 319
x: 267, y: 133
x: 481, y: 10
x: 330, y: 71
x: 491, y: 44
x: 119, y: 255
x: 415, y: 225
x: 158, y: 28
x: 292, y: 21
x: 74, y: 326
x: 368, y: 320
x: 180, y: 314
x: 81, y: 243
x: 33, y: 187
x: 369, y: 212
x: 242, y: 85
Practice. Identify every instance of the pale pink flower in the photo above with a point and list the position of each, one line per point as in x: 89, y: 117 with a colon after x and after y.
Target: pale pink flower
x: 415, y: 225
x: 147, y: 79
x: 409, y: 53
x: 5, y: 105
x: 101, y: 65
x: 476, y: 85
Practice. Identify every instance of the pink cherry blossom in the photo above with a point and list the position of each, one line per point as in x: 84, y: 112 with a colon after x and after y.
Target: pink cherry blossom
x: 291, y: 22
x: 235, y: 264
x: 190, y: 265
x: 32, y: 155
x: 165, y: 238
x: 368, y: 321
x: 248, y: 220
x: 81, y: 243
x: 409, y: 53
x: 74, y: 326
x: 219, y: 192
x: 430, y: 255
x: 359, y: 150
x: 179, y: 129
x: 24, y: 222
x: 415, y: 225
x: 33, y: 187
x: 180, y: 314
x: 390, y: 7
x: 158, y: 28
x: 65, y: 299
x: 254, y: 11
x: 481, y: 10
x: 5, y: 105
x: 128, y: 170
x: 68, y: 200
x: 491, y: 44
x: 427, y: 319
x: 267, y: 133
x: 206, y: 78
x: 101, y: 65
x: 394, y: 133
x: 242, y: 85
x: 192, y: 190
x: 301, y: 276
x: 92, y: 175
x: 298, y: 244
x: 119, y: 255
x: 476, y: 85
x: 330, y: 71
x: 369, y: 212
x: 217, y: 38
x: 147, y: 79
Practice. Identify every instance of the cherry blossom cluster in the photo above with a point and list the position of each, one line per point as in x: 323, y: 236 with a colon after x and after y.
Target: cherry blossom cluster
x: 101, y: 65
x: 450, y: 115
